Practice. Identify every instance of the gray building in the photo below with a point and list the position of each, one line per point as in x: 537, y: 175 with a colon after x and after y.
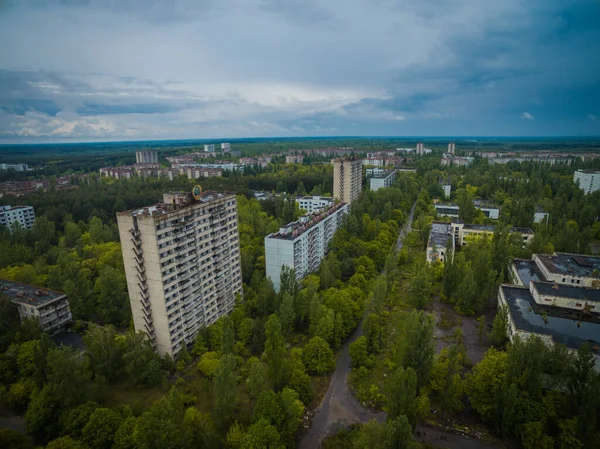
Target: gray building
x: 382, y: 179
x: 146, y: 157
x: 24, y: 215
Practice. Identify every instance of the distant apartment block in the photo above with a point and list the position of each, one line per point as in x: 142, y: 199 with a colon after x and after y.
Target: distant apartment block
x: 420, y: 147
x: 301, y: 245
x: 588, y: 180
x: 374, y: 162
x: 49, y: 307
x: 182, y: 263
x: 385, y: 179
x: 225, y: 147
x: 347, y: 179
x: 294, y: 159
x: 210, y: 148
x: 451, y: 148
x: 139, y: 170
x: 24, y: 215
x: 15, y: 167
x: 314, y: 204
x: 146, y: 157
x: 195, y: 172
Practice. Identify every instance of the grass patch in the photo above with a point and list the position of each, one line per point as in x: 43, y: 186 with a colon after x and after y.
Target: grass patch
x: 139, y: 399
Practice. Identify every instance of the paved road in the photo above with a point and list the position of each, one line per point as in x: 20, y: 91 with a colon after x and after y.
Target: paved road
x: 339, y: 408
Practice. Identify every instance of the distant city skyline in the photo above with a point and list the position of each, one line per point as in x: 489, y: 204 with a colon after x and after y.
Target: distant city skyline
x: 138, y: 70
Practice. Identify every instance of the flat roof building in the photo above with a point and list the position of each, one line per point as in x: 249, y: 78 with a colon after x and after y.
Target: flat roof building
x: 552, y: 322
x: 540, y: 214
x: 383, y: 179
x: 564, y: 268
x: 302, y: 244
x: 182, y: 263
x: 588, y: 180
x: 347, y: 179
x: 440, y: 243
x: 314, y: 204
x: 51, y: 308
x: 24, y: 215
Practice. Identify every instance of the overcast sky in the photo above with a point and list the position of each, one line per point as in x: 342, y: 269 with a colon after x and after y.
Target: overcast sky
x: 168, y: 69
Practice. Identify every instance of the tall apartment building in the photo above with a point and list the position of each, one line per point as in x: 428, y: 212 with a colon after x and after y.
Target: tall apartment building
x: 182, y: 262
x: 225, y: 147
x: 24, y: 215
x: 347, y: 179
x: 420, y: 148
x: 146, y: 157
x: 302, y: 244
x: 49, y: 307
x: 451, y: 148
x: 209, y: 148
x: 589, y: 180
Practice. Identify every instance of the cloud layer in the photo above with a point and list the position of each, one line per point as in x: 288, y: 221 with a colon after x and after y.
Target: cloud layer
x: 144, y: 69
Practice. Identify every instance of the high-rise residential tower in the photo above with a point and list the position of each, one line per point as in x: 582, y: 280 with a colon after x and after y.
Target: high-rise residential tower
x: 451, y: 147
x: 146, y: 157
x: 347, y: 179
x: 182, y: 262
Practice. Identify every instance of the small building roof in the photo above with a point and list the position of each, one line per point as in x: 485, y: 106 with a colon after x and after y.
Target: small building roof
x: 522, y: 230
x: 27, y: 294
x: 439, y: 239
x: 478, y: 227
x: 571, y: 264
x: 565, y: 326
x: 527, y: 270
x: 567, y: 291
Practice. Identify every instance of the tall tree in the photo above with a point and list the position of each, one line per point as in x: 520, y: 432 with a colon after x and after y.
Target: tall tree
x: 419, y: 345
x: 225, y: 384
x: 275, y: 351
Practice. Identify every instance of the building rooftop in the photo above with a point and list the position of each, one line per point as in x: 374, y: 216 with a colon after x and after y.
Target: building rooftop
x: 176, y: 201
x: 477, y: 227
x: 589, y: 171
x: 439, y: 239
x: 297, y: 228
x: 383, y: 174
x: 27, y: 294
x: 527, y: 270
x: 571, y: 264
x: 567, y: 291
x: 447, y: 205
x: 485, y: 204
x: 522, y: 230
x: 565, y: 326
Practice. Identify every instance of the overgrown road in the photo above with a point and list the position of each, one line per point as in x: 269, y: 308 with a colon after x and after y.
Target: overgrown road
x: 340, y: 409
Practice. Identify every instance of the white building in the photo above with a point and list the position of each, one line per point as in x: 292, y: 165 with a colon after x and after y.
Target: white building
x: 182, y: 263
x: 146, y: 157
x: 225, y: 147
x: 447, y: 210
x: 447, y: 190
x: 540, y: 214
x: 588, y: 180
x: 49, y: 307
x: 374, y: 162
x: 382, y: 180
x: 24, y: 215
x: 314, y: 204
x: 488, y: 209
x: 301, y: 245
x: 15, y: 167
x: 209, y: 148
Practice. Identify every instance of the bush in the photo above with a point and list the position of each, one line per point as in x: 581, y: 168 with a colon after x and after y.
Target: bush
x: 209, y: 363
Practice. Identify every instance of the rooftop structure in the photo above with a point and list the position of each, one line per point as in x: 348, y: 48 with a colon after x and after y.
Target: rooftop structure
x: 301, y: 245
x: 314, y: 204
x: 527, y: 318
x: 382, y: 180
x: 50, y: 307
x: 182, y: 263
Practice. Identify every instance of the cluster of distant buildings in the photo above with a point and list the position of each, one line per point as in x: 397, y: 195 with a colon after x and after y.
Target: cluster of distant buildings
x: 22, y: 188
x: 15, y: 167
x: 555, y: 297
x: 450, y: 158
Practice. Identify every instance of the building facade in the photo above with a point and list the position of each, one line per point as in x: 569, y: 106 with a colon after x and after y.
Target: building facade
x: 182, y: 263
x: 225, y: 147
x: 15, y: 167
x: 294, y: 159
x: 447, y: 190
x: 347, y: 179
x: 49, y: 307
x: 382, y: 180
x: 146, y: 157
x: 451, y: 148
x: 24, y: 215
x: 301, y: 245
x: 588, y: 180
x: 314, y: 204
x: 210, y: 148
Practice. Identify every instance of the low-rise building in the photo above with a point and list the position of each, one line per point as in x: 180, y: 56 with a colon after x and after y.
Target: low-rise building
x: 540, y: 214
x: 49, y: 307
x: 469, y: 233
x: 488, y: 209
x: 441, y: 242
x: 24, y: 215
x: 302, y: 244
x: 376, y: 171
x: 447, y: 209
x: 574, y: 269
x: 385, y: 179
x: 552, y: 324
x: 314, y: 204
x: 294, y: 159
x: 15, y: 167
x: 588, y: 180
